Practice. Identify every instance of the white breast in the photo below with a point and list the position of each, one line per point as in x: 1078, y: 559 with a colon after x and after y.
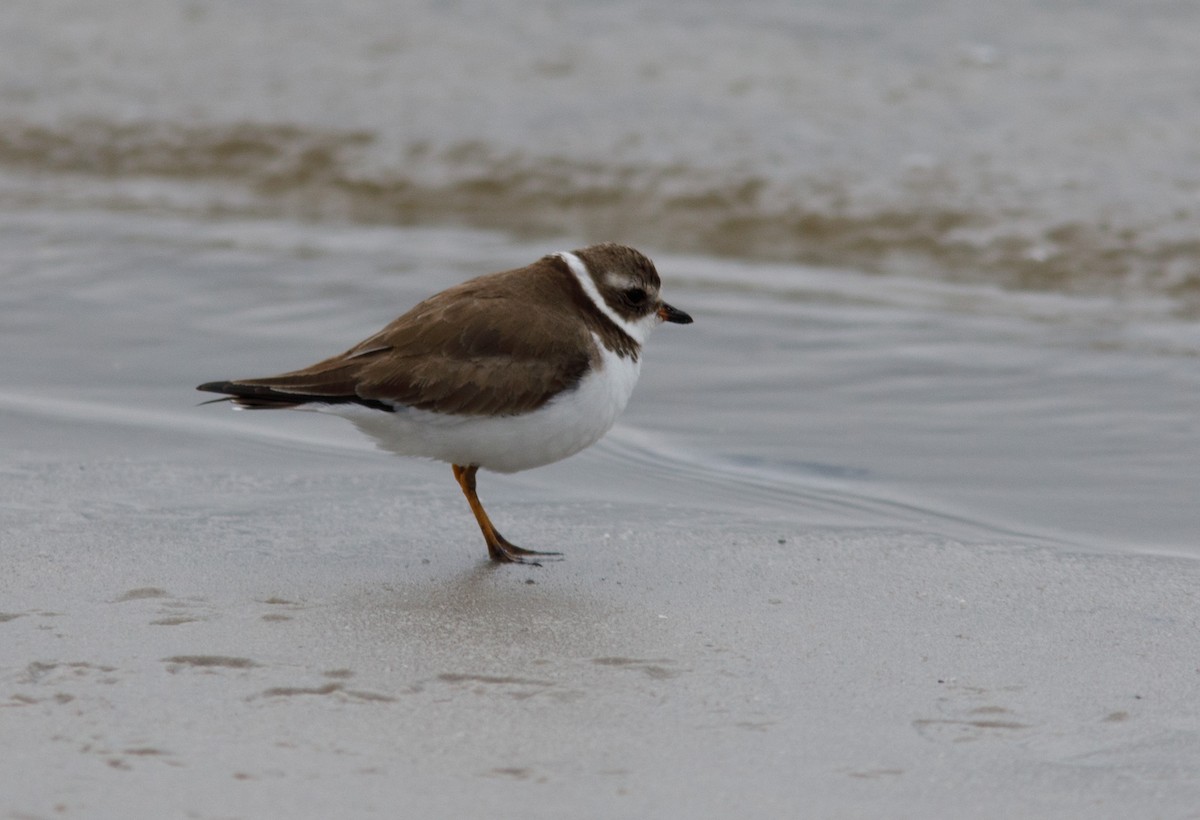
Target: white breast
x: 575, y: 419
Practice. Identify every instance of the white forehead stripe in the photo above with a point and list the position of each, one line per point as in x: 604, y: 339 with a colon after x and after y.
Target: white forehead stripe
x: 589, y: 287
x: 620, y: 281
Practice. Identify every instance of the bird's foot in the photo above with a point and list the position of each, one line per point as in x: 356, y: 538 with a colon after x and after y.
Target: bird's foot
x: 505, y: 552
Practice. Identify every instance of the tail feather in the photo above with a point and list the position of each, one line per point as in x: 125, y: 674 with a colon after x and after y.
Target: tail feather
x: 254, y: 396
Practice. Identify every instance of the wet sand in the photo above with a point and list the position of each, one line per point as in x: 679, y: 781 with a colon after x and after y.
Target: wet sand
x: 298, y: 644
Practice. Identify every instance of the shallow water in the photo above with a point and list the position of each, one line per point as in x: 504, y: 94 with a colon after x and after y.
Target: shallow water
x: 1044, y: 146
x: 832, y: 398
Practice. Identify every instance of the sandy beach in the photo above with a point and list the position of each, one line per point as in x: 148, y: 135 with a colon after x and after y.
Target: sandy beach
x: 904, y: 525
x: 164, y: 658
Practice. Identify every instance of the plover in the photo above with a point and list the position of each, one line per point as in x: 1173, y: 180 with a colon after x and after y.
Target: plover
x: 504, y: 372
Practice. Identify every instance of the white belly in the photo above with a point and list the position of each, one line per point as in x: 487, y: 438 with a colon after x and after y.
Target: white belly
x: 572, y: 421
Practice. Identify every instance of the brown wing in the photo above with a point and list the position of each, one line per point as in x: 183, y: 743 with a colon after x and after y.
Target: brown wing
x: 497, y: 345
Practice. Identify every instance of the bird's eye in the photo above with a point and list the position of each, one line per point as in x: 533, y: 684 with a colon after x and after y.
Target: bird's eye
x: 635, y: 296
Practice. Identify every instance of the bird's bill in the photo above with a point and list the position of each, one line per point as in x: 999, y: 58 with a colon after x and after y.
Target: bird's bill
x: 670, y: 314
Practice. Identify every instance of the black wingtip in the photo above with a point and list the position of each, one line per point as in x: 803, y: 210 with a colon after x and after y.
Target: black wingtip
x: 228, y: 388
x: 250, y: 396
x: 265, y: 397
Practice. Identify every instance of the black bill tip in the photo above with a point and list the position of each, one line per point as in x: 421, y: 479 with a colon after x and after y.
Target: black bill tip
x: 674, y: 315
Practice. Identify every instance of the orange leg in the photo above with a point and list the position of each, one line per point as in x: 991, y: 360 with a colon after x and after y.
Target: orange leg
x: 499, y: 548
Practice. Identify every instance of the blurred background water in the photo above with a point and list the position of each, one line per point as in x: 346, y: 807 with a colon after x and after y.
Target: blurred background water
x: 944, y: 258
